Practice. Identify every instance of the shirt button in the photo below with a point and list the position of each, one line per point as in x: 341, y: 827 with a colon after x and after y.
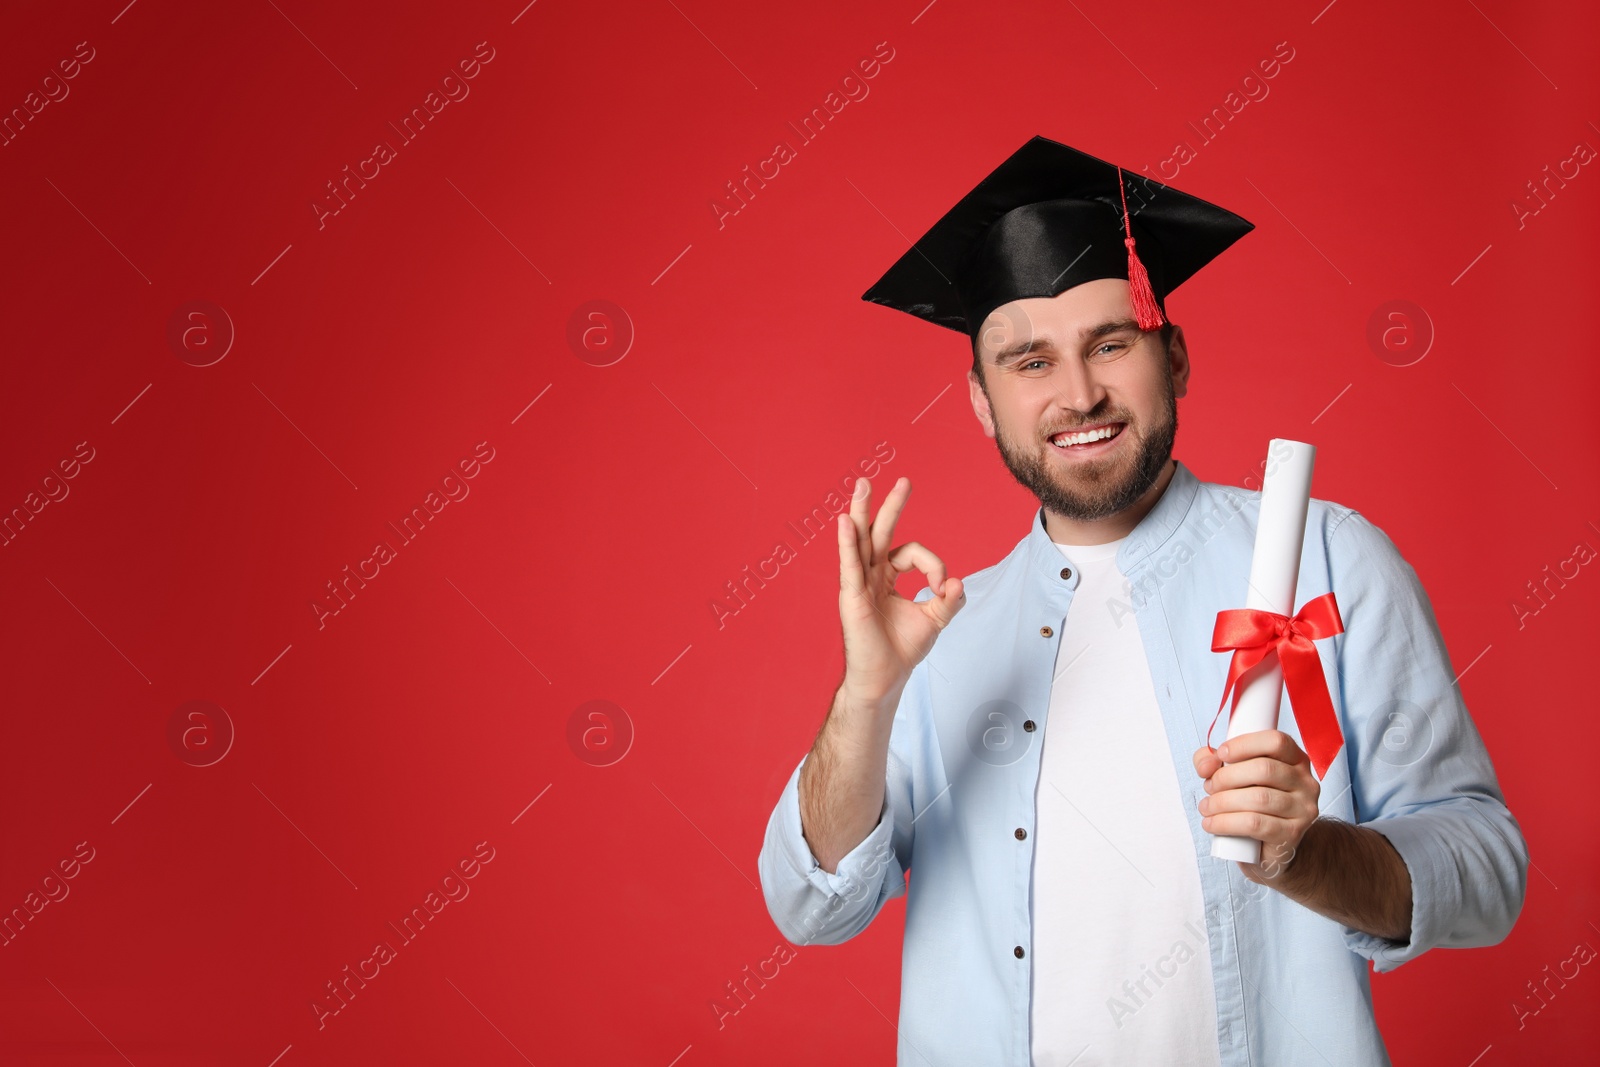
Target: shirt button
x: 1028, y: 726
x: 1021, y: 834
x: 1017, y: 952
x: 1066, y: 572
x: 1045, y: 631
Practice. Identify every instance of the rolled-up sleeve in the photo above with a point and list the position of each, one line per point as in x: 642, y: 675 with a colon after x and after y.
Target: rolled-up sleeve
x: 1419, y: 771
x: 812, y: 906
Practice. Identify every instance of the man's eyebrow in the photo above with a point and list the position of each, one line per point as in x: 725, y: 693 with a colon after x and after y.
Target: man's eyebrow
x: 1089, y: 333
x: 1112, y: 326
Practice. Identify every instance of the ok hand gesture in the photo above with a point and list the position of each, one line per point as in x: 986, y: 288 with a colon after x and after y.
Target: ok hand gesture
x: 886, y: 635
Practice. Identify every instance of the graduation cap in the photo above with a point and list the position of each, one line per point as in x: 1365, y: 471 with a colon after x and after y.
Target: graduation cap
x: 1049, y: 218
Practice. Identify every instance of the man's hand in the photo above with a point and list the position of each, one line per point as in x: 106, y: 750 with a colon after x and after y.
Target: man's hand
x: 886, y: 635
x: 1266, y: 791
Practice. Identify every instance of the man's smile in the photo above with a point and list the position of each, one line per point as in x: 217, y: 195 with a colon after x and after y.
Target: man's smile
x: 1093, y: 441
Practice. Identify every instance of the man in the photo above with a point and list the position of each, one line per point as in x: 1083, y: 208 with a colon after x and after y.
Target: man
x: 1033, y: 739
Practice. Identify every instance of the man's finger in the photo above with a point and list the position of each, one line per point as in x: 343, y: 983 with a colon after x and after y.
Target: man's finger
x: 1273, y: 743
x: 1260, y: 770
x: 913, y: 556
x: 942, y: 607
x: 1264, y: 799
x: 860, y: 509
x: 851, y: 577
x: 888, y: 515
x: 1263, y: 828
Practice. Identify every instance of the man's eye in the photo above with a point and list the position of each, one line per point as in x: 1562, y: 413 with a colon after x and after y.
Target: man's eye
x: 1111, y: 346
x: 1031, y: 362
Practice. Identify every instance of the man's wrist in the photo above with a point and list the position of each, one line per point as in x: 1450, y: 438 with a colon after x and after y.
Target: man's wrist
x: 865, y: 713
x: 867, y: 698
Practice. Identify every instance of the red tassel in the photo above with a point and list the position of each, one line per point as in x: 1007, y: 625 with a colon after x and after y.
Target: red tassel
x: 1146, y: 312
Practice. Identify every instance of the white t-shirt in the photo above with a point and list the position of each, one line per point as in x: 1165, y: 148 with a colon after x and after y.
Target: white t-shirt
x: 1121, y: 967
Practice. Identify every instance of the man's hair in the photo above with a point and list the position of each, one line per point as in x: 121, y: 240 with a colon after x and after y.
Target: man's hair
x: 977, y: 359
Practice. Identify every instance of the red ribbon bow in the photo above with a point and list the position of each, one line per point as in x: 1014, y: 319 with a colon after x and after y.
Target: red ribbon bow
x: 1252, y: 633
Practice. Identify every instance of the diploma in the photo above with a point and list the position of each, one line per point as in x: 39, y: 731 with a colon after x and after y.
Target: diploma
x: 1274, y: 571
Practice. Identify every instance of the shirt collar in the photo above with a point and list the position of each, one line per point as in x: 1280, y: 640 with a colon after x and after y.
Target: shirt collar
x: 1158, y: 524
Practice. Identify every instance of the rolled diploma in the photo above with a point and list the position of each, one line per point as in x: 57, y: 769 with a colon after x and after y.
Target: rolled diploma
x: 1274, y: 572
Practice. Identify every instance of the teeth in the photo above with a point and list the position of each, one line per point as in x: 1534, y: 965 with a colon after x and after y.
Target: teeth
x: 1085, y: 438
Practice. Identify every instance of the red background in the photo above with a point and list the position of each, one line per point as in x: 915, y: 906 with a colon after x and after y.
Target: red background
x: 374, y: 353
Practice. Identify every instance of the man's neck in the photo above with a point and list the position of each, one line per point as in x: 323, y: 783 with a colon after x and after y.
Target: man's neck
x: 1065, y: 531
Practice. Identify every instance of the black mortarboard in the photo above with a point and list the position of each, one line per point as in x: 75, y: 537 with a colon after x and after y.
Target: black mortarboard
x: 1049, y: 218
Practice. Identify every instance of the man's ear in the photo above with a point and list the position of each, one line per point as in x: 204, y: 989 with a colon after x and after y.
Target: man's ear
x: 980, y: 403
x: 1178, y: 362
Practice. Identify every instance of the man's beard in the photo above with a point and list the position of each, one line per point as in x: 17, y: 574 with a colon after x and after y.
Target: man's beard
x: 1085, y: 490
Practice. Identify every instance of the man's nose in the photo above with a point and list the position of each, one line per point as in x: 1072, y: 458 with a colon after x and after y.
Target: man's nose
x: 1075, y: 381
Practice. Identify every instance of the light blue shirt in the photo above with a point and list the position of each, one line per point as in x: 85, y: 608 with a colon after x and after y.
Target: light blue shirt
x: 1291, y: 985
